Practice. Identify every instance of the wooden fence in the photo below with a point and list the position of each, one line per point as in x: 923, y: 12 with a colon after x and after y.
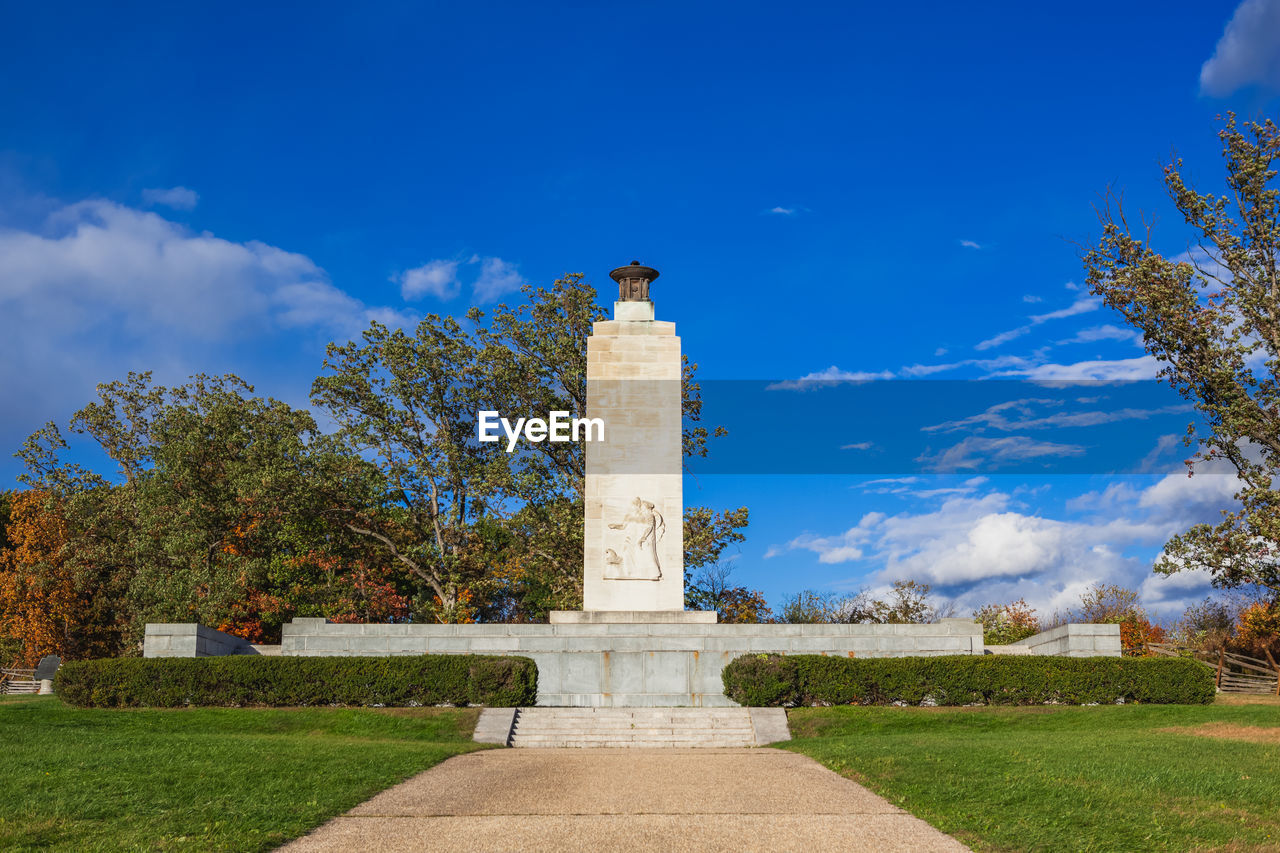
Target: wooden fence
x: 1234, y: 673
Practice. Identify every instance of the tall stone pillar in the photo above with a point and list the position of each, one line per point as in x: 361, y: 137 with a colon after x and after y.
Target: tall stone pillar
x: 634, y: 539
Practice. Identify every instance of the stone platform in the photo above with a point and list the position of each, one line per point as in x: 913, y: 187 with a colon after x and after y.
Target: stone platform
x: 632, y: 728
x: 629, y: 664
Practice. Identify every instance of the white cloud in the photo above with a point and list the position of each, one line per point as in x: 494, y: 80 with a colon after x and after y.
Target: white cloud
x: 97, y: 263
x: 861, y: 445
x: 982, y: 452
x: 1248, y: 53
x: 987, y: 548
x: 496, y: 278
x: 99, y: 288
x: 783, y: 211
x: 970, y: 244
x: 1012, y: 362
x: 1155, y: 460
x: 179, y: 198
x: 1106, y: 332
x: 434, y: 278
x: 828, y: 377
x: 1119, y: 370
x: 1002, y: 338
x: 1031, y: 299
x: 995, y: 416
x: 1082, y: 305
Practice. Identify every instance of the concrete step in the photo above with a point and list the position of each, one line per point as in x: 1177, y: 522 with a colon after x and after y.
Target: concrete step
x: 631, y: 727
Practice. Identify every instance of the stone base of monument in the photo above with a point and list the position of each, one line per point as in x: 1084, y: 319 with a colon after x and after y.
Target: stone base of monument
x: 631, y: 664
x: 579, y: 728
x: 620, y: 617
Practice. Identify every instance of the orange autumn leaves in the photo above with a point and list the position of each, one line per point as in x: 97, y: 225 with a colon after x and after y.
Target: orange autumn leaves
x: 40, y: 606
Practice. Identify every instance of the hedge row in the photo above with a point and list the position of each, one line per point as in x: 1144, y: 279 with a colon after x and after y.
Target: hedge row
x: 299, y: 681
x: 767, y: 679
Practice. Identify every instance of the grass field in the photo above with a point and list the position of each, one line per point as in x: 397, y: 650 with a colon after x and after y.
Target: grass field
x: 202, y: 779
x: 1169, y: 777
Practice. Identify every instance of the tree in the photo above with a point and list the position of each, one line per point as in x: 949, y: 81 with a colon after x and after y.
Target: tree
x: 908, y: 602
x: 1208, y: 626
x: 39, y: 602
x: 1212, y: 318
x: 1105, y: 603
x: 810, y: 607
x: 711, y: 589
x: 1007, y: 623
x: 409, y: 402
x: 1257, y: 631
x: 216, y: 513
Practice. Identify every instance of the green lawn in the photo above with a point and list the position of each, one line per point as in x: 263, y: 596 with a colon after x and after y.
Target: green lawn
x: 1049, y: 778
x: 202, y: 779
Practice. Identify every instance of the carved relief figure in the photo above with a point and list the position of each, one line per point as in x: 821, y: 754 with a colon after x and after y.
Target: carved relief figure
x: 642, y: 528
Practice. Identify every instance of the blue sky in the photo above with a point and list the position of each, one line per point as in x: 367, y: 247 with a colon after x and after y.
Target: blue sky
x: 832, y: 192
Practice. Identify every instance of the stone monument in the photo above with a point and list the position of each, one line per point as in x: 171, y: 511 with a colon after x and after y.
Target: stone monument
x: 633, y: 558
x: 633, y: 644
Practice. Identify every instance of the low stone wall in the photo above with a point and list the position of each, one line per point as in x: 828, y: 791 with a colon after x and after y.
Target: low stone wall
x: 1076, y: 640
x: 640, y: 664
x: 632, y: 665
x: 191, y: 640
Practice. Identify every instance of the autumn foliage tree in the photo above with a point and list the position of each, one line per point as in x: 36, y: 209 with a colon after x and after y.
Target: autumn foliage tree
x: 40, y: 605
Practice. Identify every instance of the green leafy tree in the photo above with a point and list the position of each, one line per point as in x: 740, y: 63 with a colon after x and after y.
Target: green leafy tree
x: 1007, y: 623
x: 1211, y: 316
x: 409, y: 402
x: 712, y: 589
x: 215, y: 513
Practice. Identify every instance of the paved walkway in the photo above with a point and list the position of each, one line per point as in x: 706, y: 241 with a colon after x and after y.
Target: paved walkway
x: 627, y: 799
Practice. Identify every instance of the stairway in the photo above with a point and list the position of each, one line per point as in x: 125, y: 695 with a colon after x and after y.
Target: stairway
x: 633, y: 727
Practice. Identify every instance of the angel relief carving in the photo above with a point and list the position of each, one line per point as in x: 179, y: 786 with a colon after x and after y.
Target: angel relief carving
x: 636, y: 556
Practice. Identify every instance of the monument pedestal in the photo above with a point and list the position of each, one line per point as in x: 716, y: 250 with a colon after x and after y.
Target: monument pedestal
x: 646, y: 617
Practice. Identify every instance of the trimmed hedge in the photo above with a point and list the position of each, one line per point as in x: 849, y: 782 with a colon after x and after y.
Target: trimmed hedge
x: 791, y: 680
x: 242, y: 680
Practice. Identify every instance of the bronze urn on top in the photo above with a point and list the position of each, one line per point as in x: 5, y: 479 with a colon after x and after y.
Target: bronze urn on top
x: 633, y: 282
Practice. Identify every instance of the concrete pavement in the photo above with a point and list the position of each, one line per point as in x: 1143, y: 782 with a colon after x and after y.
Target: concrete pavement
x: 626, y: 799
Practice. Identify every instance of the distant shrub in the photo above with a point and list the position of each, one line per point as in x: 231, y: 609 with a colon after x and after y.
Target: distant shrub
x: 245, y: 680
x: 757, y: 680
x: 1007, y: 623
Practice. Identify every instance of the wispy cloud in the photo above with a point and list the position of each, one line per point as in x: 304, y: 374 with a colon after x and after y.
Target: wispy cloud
x: 997, y: 416
x: 861, y: 445
x: 1002, y: 338
x: 1101, y: 370
x: 1032, y: 299
x: 179, y: 198
x: 970, y: 244
x: 829, y: 377
x: 1101, y: 333
x: 497, y: 277
x: 1002, y: 362
x: 434, y: 278
x: 990, y: 453
x: 1248, y: 53
x: 1082, y: 305
x: 783, y: 211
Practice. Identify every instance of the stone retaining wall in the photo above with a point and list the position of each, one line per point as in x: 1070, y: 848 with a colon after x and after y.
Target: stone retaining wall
x: 649, y: 664
x: 1076, y: 640
x: 191, y: 640
x: 632, y: 665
